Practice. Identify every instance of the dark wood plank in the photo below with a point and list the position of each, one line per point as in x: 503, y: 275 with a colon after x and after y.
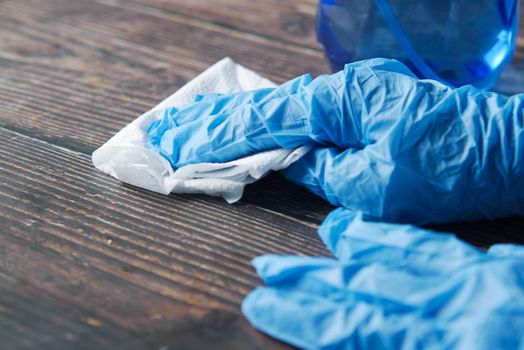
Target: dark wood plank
x: 194, y: 43
x: 289, y: 21
x: 85, y: 256
x: 76, y: 72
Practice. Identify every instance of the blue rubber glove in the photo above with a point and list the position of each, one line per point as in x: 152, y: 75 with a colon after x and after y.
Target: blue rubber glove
x: 386, y: 143
x: 393, y: 287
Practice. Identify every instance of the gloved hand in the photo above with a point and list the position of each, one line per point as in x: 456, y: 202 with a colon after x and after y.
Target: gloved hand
x: 393, y: 287
x: 386, y: 143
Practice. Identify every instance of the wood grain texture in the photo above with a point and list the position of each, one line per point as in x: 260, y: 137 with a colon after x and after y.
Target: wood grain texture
x: 120, y: 260
x: 290, y: 21
x: 87, y: 69
x: 87, y: 262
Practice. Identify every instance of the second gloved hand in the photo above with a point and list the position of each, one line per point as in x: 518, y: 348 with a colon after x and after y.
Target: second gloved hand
x: 392, y: 287
x: 386, y: 143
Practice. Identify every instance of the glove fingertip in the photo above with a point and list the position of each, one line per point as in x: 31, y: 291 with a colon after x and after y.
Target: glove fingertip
x: 279, y: 315
x: 271, y: 266
x: 508, y: 250
x: 259, y: 308
x: 248, y: 306
x: 333, y: 227
x: 260, y: 262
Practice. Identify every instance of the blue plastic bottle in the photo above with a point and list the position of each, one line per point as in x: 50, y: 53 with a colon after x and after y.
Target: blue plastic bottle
x: 457, y: 42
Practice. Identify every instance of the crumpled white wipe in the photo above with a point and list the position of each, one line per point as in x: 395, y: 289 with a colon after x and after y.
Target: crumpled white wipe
x: 127, y: 156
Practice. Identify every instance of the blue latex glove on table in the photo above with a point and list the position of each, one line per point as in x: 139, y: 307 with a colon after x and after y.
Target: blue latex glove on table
x: 386, y: 143
x: 398, y: 149
x: 393, y: 287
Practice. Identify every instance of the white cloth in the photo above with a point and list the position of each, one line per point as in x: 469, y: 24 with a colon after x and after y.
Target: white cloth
x: 127, y: 157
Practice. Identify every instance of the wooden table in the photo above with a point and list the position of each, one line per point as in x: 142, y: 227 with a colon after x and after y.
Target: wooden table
x: 88, y: 262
